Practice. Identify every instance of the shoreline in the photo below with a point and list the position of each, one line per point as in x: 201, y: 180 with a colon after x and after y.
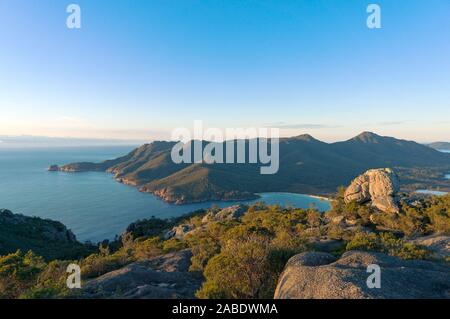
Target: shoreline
x: 328, y: 199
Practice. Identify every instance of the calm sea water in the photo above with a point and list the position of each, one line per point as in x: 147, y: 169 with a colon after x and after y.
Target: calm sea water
x: 430, y: 192
x: 93, y: 205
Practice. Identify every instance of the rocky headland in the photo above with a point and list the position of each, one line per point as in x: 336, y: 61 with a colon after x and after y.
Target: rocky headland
x: 48, y: 238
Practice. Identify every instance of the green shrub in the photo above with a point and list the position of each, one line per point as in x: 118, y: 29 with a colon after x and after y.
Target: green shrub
x: 96, y: 264
x: 148, y: 248
x: 203, y: 247
x: 387, y: 243
x: 239, y: 271
x: 364, y: 241
x: 18, y: 273
x: 44, y: 293
x: 174, y: 244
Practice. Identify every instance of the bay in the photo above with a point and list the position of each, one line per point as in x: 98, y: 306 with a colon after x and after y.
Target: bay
x: 92, y: 204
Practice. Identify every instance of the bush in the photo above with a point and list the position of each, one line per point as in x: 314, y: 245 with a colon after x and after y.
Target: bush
x: 387, y: 243
x: 148, y: 227
x: 364, y: 241
x: 18, y: 273
x: 438, y: 213
x: 96, y: 265
x: 148, y: 248
x: 241, y: 265
x: 174, y: 244
x: 203, y: 247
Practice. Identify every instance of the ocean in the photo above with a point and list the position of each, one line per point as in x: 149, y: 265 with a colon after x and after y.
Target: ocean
x: 92, y: 204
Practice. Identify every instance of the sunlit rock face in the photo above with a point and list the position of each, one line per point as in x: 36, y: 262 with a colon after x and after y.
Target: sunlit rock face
x: 378, y: 186
x: 318, y: 275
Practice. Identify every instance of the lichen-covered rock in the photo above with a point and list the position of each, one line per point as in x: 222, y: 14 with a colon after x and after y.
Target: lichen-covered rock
x: 378, y: 186
x: 179, y: 231
x: 228, y: 213
x: 315, y: 275
x: 162, y: 277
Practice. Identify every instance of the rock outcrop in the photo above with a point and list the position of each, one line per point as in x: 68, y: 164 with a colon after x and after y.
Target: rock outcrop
x: 48, y: 238
x: 229, y: 213
x: 53, y: 168
x: 48, y: 229
x: 213, y: 215
x: 162, y: 277
x: 178, y: 231
x: 315, y: 275
x: 378, y: 186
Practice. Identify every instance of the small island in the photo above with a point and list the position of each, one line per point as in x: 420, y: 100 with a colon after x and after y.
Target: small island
x: 53, y: 168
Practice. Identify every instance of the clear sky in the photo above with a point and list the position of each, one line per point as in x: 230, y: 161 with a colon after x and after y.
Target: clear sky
x: 136, y: 70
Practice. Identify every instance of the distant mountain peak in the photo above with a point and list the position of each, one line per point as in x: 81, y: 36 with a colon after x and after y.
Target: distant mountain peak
x: 367, y: 137
x: 307, y: 165
x: 305, y: 137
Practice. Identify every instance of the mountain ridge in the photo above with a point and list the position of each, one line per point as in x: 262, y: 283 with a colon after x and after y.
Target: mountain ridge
x: 307, y: 165
x: 440, y: 146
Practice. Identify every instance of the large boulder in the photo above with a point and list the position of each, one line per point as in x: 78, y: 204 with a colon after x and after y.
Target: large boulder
x: 378, y: 186
x: 163, y: 277
x: 316, y: 275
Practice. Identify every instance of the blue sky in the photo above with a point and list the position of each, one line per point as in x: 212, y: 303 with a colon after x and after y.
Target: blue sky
x: 136, y: 70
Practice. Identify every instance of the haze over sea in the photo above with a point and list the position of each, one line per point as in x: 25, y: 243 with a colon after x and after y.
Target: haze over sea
x: 93, y: 205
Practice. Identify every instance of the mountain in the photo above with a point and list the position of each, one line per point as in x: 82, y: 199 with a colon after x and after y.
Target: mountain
x: 440, y: 146
x: 307, y: 165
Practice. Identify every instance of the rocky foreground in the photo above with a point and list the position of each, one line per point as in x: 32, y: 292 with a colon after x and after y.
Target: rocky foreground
x: 165, y: 277
x: 244, y: 252
x: 318, y: 275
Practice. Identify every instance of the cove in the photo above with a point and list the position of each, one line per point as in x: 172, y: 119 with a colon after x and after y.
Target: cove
x: 92, y: 204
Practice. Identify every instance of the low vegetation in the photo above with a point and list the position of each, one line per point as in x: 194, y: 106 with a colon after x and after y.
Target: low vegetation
x: 241, y: 257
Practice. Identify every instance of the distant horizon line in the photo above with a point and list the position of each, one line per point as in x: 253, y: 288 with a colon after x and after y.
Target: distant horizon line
x: 38, y: 140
